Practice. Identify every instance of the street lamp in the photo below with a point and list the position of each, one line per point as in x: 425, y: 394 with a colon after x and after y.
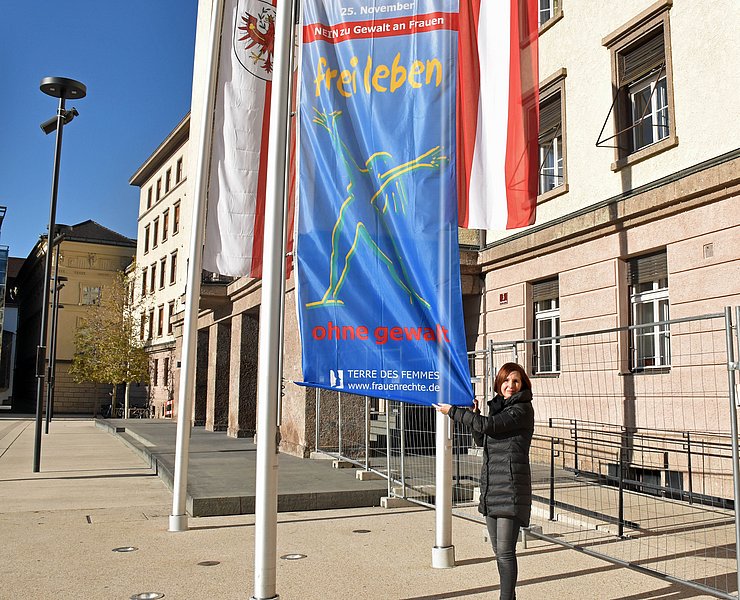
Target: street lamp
x: 62, y: 88
x: 55, y: 306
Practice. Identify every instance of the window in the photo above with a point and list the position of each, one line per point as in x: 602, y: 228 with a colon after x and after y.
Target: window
x: 155, y: 233
x: 650, y: 343
x: 162, y: 272
x: 551, y: 145
x: 549, y: 10
x: 178, y: 171
x: 546, y: 302
x: 552, y: 136
x: 149, y: 197
x: 166, y: 371
x: 642, y: 108
x: 155, y: 372
x: 91, y: 294
x: 146, y: 239
x: 151, y: 324
x: 142, y: 329
x: 153, y: 277
x: 160, y: 321
x: 167, y: 180
x: 176, y: 219
x: 165, y: 224
x: 143, y: 281
x: 649, y: 108
x: 173, y: 267
x: 159, y: 188
x: 170, y: 313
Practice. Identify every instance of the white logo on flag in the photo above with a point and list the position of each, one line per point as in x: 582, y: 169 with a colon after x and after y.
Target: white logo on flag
x: 336, y: 378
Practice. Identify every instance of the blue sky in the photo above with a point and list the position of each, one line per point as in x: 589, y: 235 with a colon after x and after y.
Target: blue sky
x: 136, y: 59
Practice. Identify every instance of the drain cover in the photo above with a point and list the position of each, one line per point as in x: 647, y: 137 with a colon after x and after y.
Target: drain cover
x: 209, y: 563
x: 125, y: 549
x: 293, y: 556
x: 360, y: 531
x: 147, y: 596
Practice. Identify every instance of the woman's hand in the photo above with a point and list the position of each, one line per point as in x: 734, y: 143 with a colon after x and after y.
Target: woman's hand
x: 443, y: 408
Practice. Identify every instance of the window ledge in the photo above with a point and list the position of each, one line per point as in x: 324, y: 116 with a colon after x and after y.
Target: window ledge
x: 670, y: 142
x: 550, y: 22
x: 648, y: 371
x: 548, y: 375
x: 553, y: 193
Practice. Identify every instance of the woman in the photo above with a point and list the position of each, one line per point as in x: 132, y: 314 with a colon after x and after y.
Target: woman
x: 505, y: 481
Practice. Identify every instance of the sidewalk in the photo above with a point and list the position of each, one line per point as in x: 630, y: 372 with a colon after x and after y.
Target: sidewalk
x: 58, y: 529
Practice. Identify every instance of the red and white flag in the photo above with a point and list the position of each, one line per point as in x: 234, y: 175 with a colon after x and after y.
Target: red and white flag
x: 238, y: 171
x: 497, y: 114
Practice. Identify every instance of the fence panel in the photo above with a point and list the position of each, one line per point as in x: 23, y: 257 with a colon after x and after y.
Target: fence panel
x: 635, y: 465
x: 631, y: 460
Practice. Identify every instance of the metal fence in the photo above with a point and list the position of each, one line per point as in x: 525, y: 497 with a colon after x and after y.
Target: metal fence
x: 638, y: 467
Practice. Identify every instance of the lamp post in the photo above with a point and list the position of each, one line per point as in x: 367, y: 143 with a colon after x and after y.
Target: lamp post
x: 62, y: 88
x: 55, y: 306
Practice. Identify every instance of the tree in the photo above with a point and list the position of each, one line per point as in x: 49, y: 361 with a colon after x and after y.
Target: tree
x: 107, y: 349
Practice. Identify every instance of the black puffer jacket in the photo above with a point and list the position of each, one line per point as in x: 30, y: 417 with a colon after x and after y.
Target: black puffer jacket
x: 505, y: 435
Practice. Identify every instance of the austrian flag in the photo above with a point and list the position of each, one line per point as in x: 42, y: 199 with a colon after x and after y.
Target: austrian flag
x: 497, y: 114
x: 238, y: 171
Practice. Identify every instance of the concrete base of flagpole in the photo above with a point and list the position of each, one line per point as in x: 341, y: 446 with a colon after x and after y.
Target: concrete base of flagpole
x: 178, y: 522
x: 443, y: 557
x: 270, y: 598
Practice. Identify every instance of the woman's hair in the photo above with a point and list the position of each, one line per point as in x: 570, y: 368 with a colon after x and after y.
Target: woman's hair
x: 505, y: 371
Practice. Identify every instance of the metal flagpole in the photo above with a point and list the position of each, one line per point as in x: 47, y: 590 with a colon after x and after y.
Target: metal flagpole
x: 179, y: 518
x: 443, y: 553
x: 268, y: 372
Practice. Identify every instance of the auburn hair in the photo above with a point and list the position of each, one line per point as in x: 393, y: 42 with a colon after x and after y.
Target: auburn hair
x: 506, y: 370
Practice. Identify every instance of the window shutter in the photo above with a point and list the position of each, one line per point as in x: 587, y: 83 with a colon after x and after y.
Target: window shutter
x: 545, y: 290
x: 550, y: 120
x: 642, y: 59
x: 644, y: 269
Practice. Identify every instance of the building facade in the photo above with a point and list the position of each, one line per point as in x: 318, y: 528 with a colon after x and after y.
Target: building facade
x: 10, y: 332
x: 85, y: 258
x: 158, y: 277
x: 639, y: 216
x: 8, y: 320
x: 638, y: 221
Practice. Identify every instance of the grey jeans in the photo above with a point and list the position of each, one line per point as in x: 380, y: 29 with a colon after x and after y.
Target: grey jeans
x: 503, y: 533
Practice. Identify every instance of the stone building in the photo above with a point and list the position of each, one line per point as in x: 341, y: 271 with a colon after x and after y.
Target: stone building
x: 158, y: 275
x: 158, y: 278
x: 89, y: 255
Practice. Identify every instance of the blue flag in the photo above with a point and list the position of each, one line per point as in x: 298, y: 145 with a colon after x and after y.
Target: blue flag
x: 378, y: 269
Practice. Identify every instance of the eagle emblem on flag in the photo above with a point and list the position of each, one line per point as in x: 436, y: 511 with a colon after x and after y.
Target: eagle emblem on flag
x: 254, y: 37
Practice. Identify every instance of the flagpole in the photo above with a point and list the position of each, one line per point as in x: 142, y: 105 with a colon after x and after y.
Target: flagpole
x: 268, y: 370
x: 179, y: 518
x: 443, y: 552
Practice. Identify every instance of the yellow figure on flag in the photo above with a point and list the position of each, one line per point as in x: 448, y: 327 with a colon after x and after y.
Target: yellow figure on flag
x: 386, y: 195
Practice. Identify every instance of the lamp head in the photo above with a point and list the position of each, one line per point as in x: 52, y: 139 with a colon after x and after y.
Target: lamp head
x: 62, y: 87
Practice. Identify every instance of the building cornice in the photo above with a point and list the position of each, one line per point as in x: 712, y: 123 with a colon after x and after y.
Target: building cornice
x: 177, y: 137
x: 706, y: 182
